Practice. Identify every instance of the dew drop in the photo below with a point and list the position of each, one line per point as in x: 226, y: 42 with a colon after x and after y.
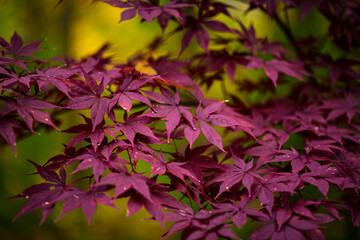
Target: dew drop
x: 316, y: 128
x: 182, y: 213
x: 210, y: 212
x: 157, y: 169
x: 124, y: 108
x: 14, y: 144
x: 274, y: 189
x: 227, y: 188
x: 46, y: 119
x: 261, y: 204
x: 46, y: 203
x: 26, y: 196
x: 76, y: 196
x: 124, y: 188
x: 99, y: 143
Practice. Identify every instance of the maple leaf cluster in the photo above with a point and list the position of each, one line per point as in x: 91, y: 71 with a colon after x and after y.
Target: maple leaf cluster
x: 231, y: 161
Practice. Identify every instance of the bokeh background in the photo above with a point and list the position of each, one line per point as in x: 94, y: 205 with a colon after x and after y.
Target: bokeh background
x: 77, y: 29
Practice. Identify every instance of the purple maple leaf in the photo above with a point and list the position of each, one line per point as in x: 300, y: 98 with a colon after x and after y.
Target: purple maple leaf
x: 171, y: 112
x: 339, y: 107
x: 87, y: 200
x: 241, y: 172
x: 28, y: 109
x: 124, y: 181
x: 16, y: 48
x: 132, y: 125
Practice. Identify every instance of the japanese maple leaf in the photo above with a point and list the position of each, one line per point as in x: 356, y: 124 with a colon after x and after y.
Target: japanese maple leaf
x: 128, y: 90
x: 323, y: 145
x: 266, y: 187
x: 87, y: 200
x: 124, y: 181
x: 219, y: 59
x: 147, y: 11
x: 196, y: 28
x: 53, y: 76
x: 100, y: 160
x: 159, y: 199
x: 169, y: 70
x: 160, y: 166
x: 137, y: 201
x: 91, y: 159
x: 133, y: 124
x: 302, y: 208
x: 238, y: 212
x: 339, y: 107
x: 13, y: 78
x: 28, y: 109
x: 170, y: 9
x: 284, y: 226
x: 86, y: 130
x: 319, y: 176
x: 141, y: 146
x: 99, y: 105
x: 214, y: 230
x: 332, y: 131
x: 185, y: 218
x: 248, y: 38
x: 348, y: 166
x: 6, y: 61
x: 44, y: 194
x: 311, y: 112
x: 196, y: 161
x: 171, y: 112
x: 7, y: 132
x: 274, y: 66
x: 208, y: 114
x: 233, y: 174
x: 16, y: 48
x: 265, y: 151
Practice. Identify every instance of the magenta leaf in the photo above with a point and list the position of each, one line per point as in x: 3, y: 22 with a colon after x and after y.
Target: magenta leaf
x: 211, y: 135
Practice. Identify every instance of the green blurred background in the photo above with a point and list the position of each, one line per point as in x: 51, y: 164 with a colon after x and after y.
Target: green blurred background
x: 78, y: 29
